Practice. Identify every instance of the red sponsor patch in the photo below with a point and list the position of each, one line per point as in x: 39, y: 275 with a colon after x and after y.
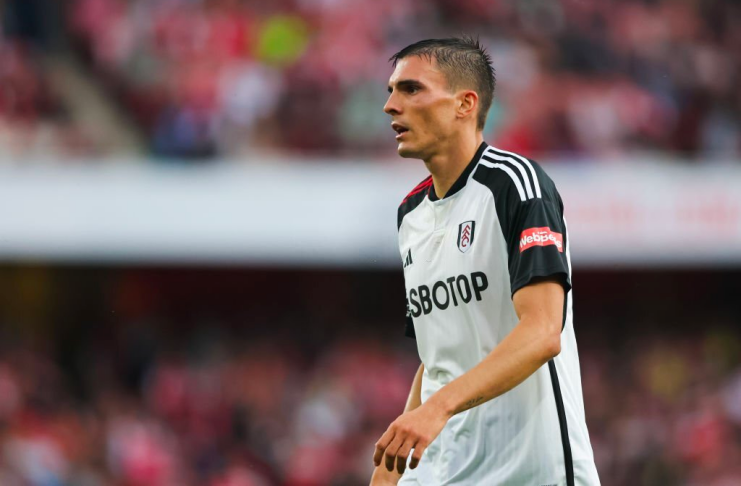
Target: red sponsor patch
x: 540, y: 237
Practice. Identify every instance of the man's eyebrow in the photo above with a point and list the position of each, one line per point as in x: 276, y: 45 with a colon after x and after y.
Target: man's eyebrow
x: 407, y: 83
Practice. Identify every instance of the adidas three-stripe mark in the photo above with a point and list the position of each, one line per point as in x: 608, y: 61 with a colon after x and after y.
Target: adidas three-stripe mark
x: 528, y: 187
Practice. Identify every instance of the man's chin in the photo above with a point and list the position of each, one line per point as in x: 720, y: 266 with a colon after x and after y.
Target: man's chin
x: 406, y: 151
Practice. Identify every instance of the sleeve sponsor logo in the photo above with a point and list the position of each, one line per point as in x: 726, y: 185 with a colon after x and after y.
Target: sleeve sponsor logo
x: 540, y: 237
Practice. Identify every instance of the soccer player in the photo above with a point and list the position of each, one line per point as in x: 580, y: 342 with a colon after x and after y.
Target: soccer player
x: 497, y: 399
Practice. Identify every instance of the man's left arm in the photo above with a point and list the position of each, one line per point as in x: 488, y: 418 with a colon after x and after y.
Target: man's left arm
x: 532, y: 343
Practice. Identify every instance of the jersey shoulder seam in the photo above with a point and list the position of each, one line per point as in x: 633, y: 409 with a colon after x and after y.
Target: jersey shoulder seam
x: 419, y: 188
x: 413, y: 199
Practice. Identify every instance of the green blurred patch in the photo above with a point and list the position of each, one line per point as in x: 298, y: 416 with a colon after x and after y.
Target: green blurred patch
x: 282, y: 39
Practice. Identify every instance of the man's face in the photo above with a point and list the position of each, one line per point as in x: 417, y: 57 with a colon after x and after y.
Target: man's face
x: 422, y: 107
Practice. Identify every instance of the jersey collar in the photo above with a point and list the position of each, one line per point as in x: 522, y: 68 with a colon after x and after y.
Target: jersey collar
x: 460, y: 183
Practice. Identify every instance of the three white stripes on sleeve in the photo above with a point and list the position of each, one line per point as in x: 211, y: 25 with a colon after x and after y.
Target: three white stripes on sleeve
x: 492, y: 155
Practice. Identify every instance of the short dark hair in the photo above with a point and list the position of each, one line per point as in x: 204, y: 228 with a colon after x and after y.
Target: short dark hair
x: 465, y: 63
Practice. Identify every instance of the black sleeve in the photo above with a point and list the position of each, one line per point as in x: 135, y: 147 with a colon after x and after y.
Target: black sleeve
x: 533, y: 228
x: 536, y: 242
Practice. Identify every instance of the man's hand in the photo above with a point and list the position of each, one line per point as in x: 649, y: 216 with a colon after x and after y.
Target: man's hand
x: 412, y: 430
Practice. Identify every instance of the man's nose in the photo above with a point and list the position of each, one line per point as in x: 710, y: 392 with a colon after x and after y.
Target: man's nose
x: 391, y: 107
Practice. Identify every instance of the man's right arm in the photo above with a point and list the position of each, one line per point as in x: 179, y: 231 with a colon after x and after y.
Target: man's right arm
x: 381, y: 475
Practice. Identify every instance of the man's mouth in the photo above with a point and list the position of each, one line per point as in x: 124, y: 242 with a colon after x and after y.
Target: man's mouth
x: 399, y: 129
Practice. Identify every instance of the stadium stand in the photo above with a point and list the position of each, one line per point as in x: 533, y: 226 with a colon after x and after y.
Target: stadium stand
x: 32, y: 119
x: 171, y: 377
x: 50, y: 108
x: 579, y: 78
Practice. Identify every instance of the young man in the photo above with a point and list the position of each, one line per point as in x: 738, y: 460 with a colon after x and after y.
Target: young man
x: 497, y: 399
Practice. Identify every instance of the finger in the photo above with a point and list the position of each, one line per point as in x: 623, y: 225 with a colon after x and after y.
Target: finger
x: 402, y: 455
x: 419, y: 449
x: 391, y: 451
x: 381, y: 446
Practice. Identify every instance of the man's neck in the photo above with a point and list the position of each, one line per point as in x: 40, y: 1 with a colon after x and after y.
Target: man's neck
x: 447, y: 166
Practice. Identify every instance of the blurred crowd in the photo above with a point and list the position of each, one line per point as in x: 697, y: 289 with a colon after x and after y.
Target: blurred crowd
x: 32, y: 117
x: 578, y: 78
x: 220, y: 411
x: 665, y: 410
x: 263, y: 415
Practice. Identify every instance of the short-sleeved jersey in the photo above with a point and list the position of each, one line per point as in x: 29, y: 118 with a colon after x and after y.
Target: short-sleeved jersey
x: 498, y: 228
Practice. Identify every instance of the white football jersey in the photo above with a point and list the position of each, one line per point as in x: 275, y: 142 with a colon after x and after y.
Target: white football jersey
x: 499, y: 227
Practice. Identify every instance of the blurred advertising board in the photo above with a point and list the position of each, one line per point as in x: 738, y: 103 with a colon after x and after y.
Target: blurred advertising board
x: 342, y: 213
x: 653, y: 214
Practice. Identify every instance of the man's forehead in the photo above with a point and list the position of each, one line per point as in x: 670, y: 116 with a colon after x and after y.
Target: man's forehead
x: 416, y: 67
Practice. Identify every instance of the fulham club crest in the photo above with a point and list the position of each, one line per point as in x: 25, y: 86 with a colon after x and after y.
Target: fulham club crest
x: 465, y: 235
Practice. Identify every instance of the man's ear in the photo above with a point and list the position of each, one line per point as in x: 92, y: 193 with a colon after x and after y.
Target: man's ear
x: 468, y: 101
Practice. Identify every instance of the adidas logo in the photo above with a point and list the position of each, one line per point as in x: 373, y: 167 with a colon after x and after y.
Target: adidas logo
x: 408, y: 260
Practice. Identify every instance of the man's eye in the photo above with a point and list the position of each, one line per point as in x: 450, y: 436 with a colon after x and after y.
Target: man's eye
x: 412, y: 89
